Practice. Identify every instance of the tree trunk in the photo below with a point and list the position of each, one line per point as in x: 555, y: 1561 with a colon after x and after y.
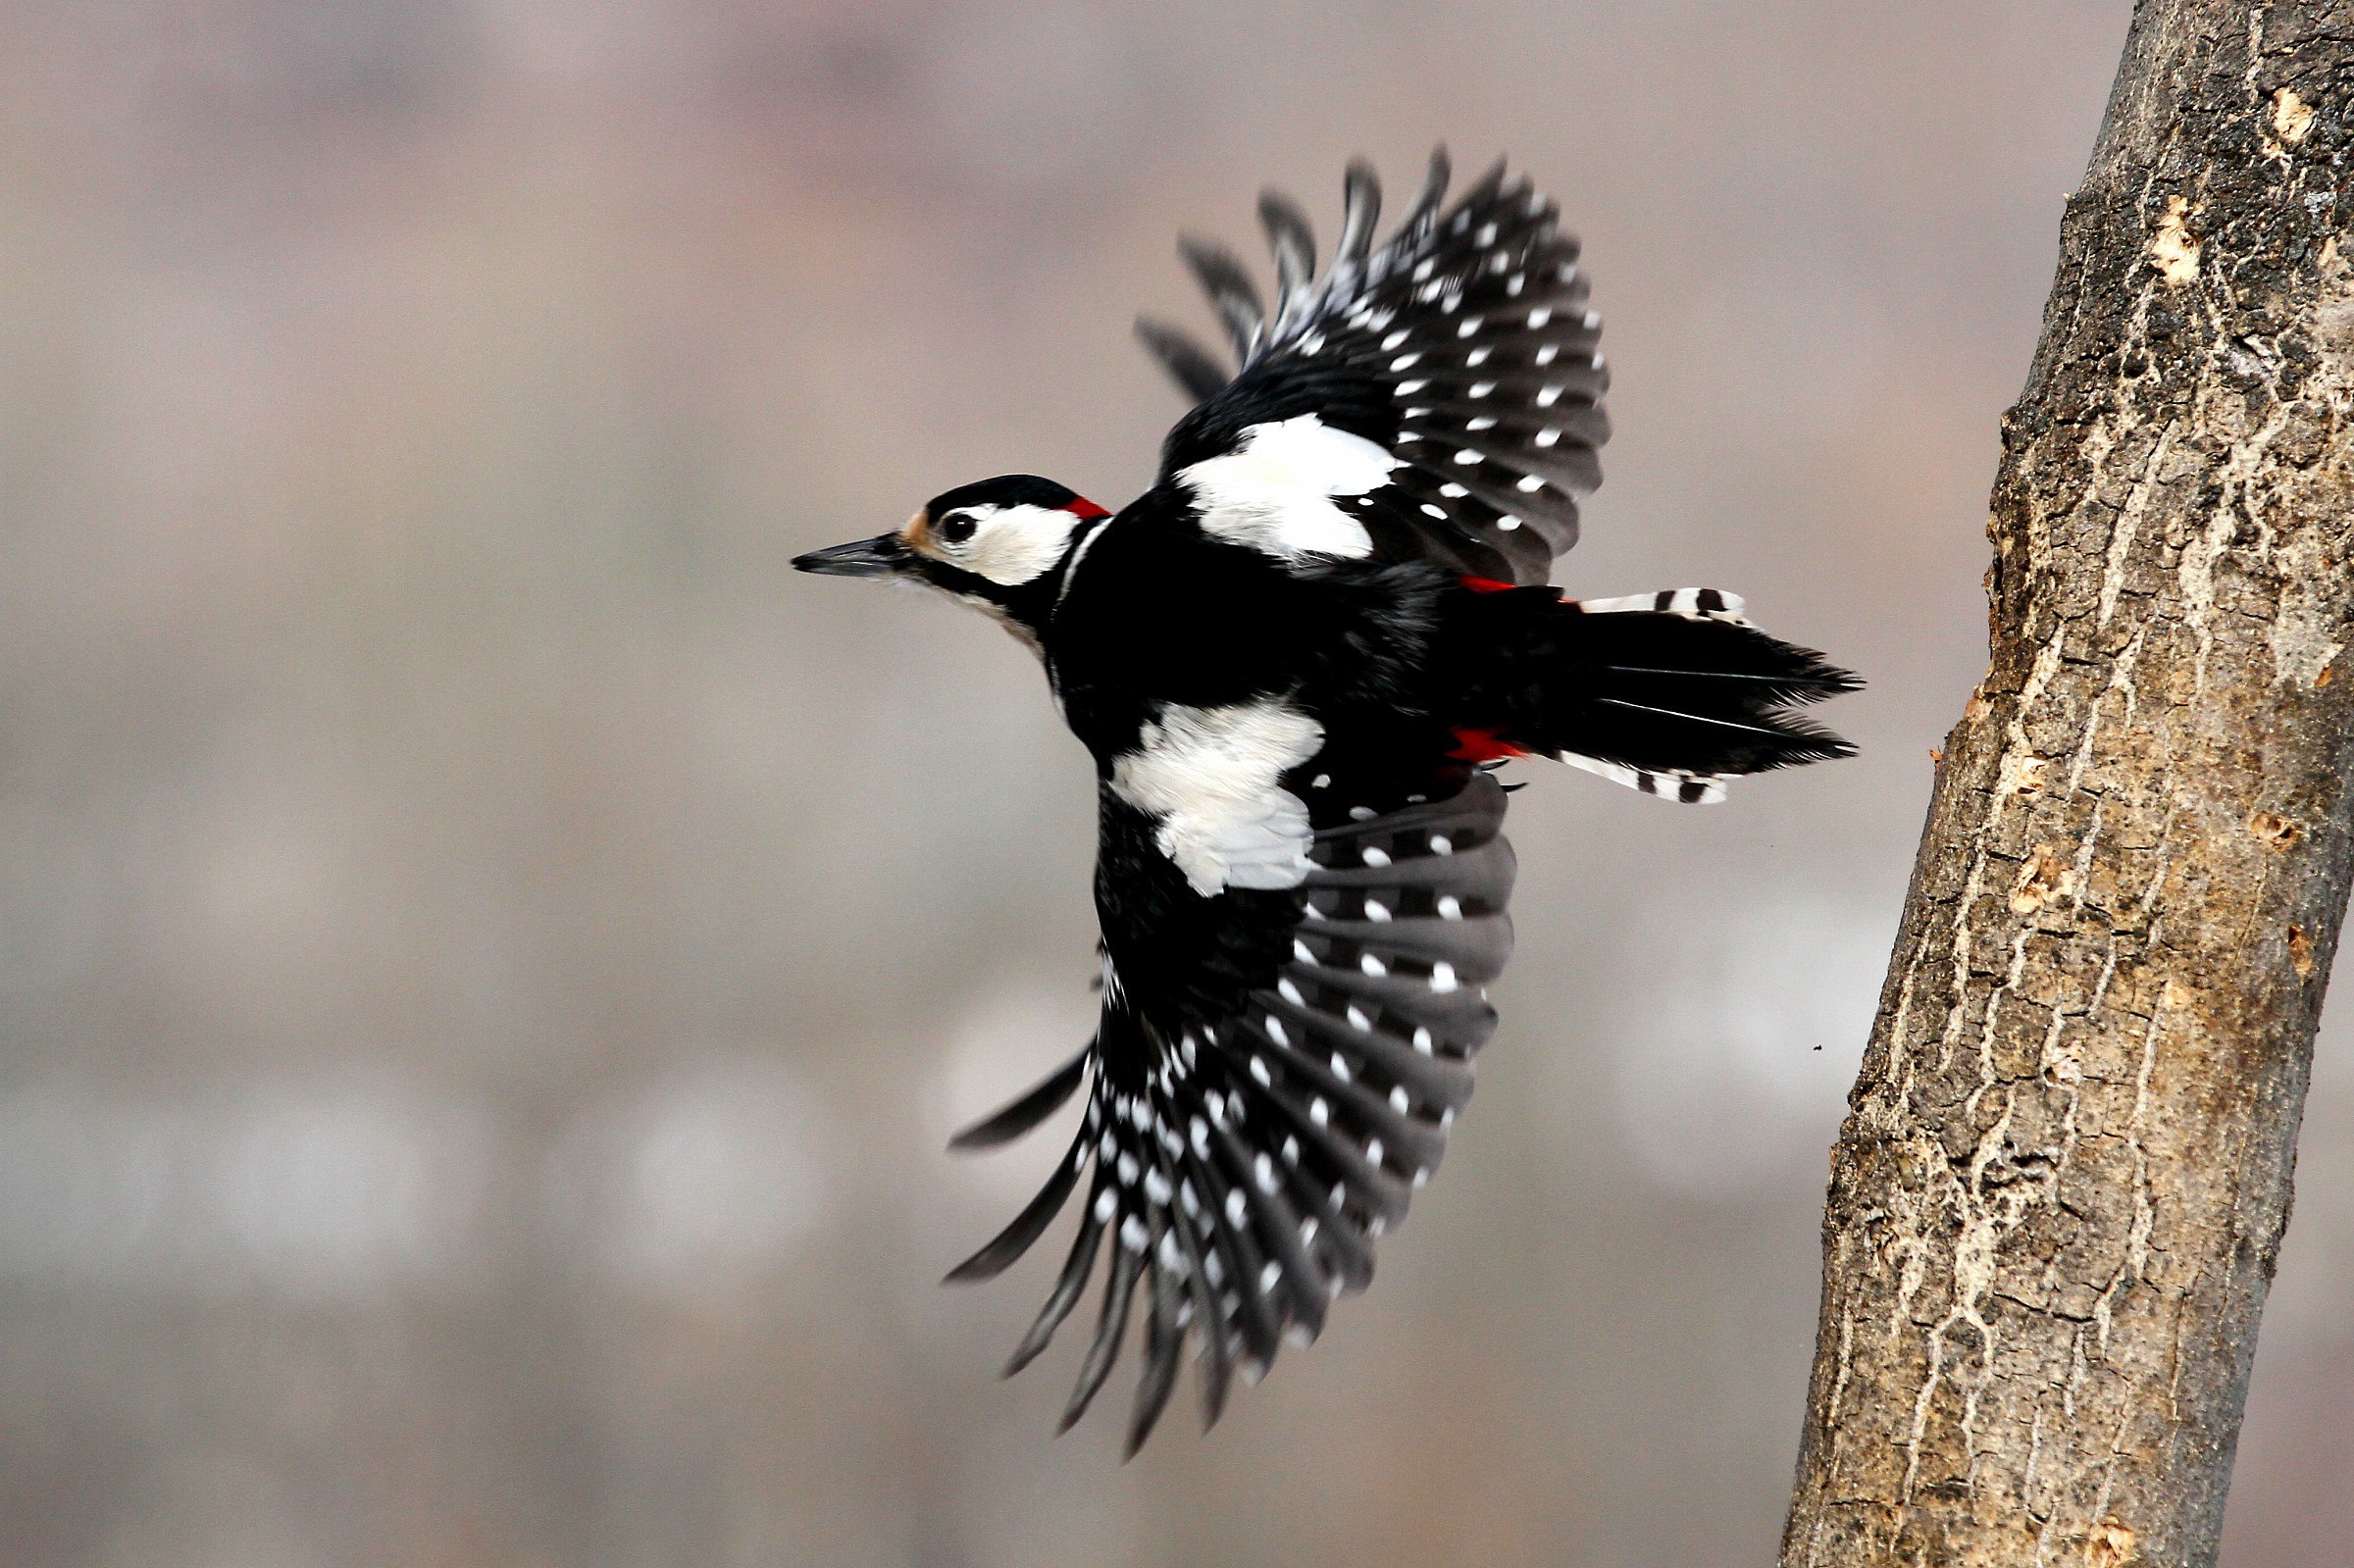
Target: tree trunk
x: 2055, y: 1206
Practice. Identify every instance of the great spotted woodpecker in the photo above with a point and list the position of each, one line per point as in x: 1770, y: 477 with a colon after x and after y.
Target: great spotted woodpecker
x: 1298, y: 660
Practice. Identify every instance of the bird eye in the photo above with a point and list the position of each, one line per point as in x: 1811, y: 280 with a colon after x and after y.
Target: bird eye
x: 956, y: 528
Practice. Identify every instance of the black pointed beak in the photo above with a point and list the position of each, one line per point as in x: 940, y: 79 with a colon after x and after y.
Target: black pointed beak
x: 881, y: 556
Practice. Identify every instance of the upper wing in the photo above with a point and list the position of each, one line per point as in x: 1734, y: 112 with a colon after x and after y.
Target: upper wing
x: 1461, y: 349
x: 1273, y: 1075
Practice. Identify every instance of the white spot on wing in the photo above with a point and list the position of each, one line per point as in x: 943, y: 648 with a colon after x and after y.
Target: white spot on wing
x: 1274, y: 492
x: 1209, y: 776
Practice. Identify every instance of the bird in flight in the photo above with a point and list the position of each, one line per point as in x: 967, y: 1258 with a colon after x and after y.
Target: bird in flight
x: 1298, y: 660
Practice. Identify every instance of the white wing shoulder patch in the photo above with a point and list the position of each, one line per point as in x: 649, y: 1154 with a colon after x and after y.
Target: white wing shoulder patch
x: 1212, y: 777
x: 1276, y: 491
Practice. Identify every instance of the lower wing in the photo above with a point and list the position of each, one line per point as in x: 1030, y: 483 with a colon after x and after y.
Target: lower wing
x: 1275, y: 1068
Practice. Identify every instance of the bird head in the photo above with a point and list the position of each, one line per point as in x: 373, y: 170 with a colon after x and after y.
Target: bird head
x: 998, y: 544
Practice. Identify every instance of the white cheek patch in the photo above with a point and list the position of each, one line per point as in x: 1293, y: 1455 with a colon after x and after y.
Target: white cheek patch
x: 1210, y: 776
x: 1275, y: 492
x: 1014, y: 544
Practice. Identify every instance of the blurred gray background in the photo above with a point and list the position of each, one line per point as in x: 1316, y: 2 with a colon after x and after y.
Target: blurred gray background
x: 489, y: 956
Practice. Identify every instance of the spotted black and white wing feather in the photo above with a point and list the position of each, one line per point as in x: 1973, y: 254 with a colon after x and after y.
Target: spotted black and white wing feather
x: 1462, y: 347
x: 1273, y: 1076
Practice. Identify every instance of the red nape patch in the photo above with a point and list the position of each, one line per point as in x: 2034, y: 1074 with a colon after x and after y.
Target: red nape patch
x: 1486, y: 586
x: 1483, y: 745
x: 1085, y: 510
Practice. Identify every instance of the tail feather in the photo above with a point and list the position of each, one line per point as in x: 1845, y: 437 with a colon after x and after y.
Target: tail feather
x: 1671, y: 693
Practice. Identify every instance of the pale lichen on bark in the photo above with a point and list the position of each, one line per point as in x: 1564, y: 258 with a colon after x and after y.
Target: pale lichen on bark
x: 2056, y: 1203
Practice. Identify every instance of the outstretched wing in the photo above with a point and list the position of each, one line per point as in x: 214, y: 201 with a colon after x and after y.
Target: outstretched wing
x: 1274, y: 1073
x: 1438, y: 395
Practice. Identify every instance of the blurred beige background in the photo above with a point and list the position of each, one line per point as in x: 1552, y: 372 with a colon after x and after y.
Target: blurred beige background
x: 489, y: 956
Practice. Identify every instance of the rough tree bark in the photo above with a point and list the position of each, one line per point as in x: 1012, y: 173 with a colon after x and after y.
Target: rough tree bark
x: 2054, y: 1205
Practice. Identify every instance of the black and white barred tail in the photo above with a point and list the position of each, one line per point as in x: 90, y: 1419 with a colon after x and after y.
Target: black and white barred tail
x: 1240, y: 1169
x: 1671, y: 694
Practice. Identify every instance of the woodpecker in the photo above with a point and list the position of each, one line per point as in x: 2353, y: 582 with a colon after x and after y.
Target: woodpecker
x: 1298, y: 661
